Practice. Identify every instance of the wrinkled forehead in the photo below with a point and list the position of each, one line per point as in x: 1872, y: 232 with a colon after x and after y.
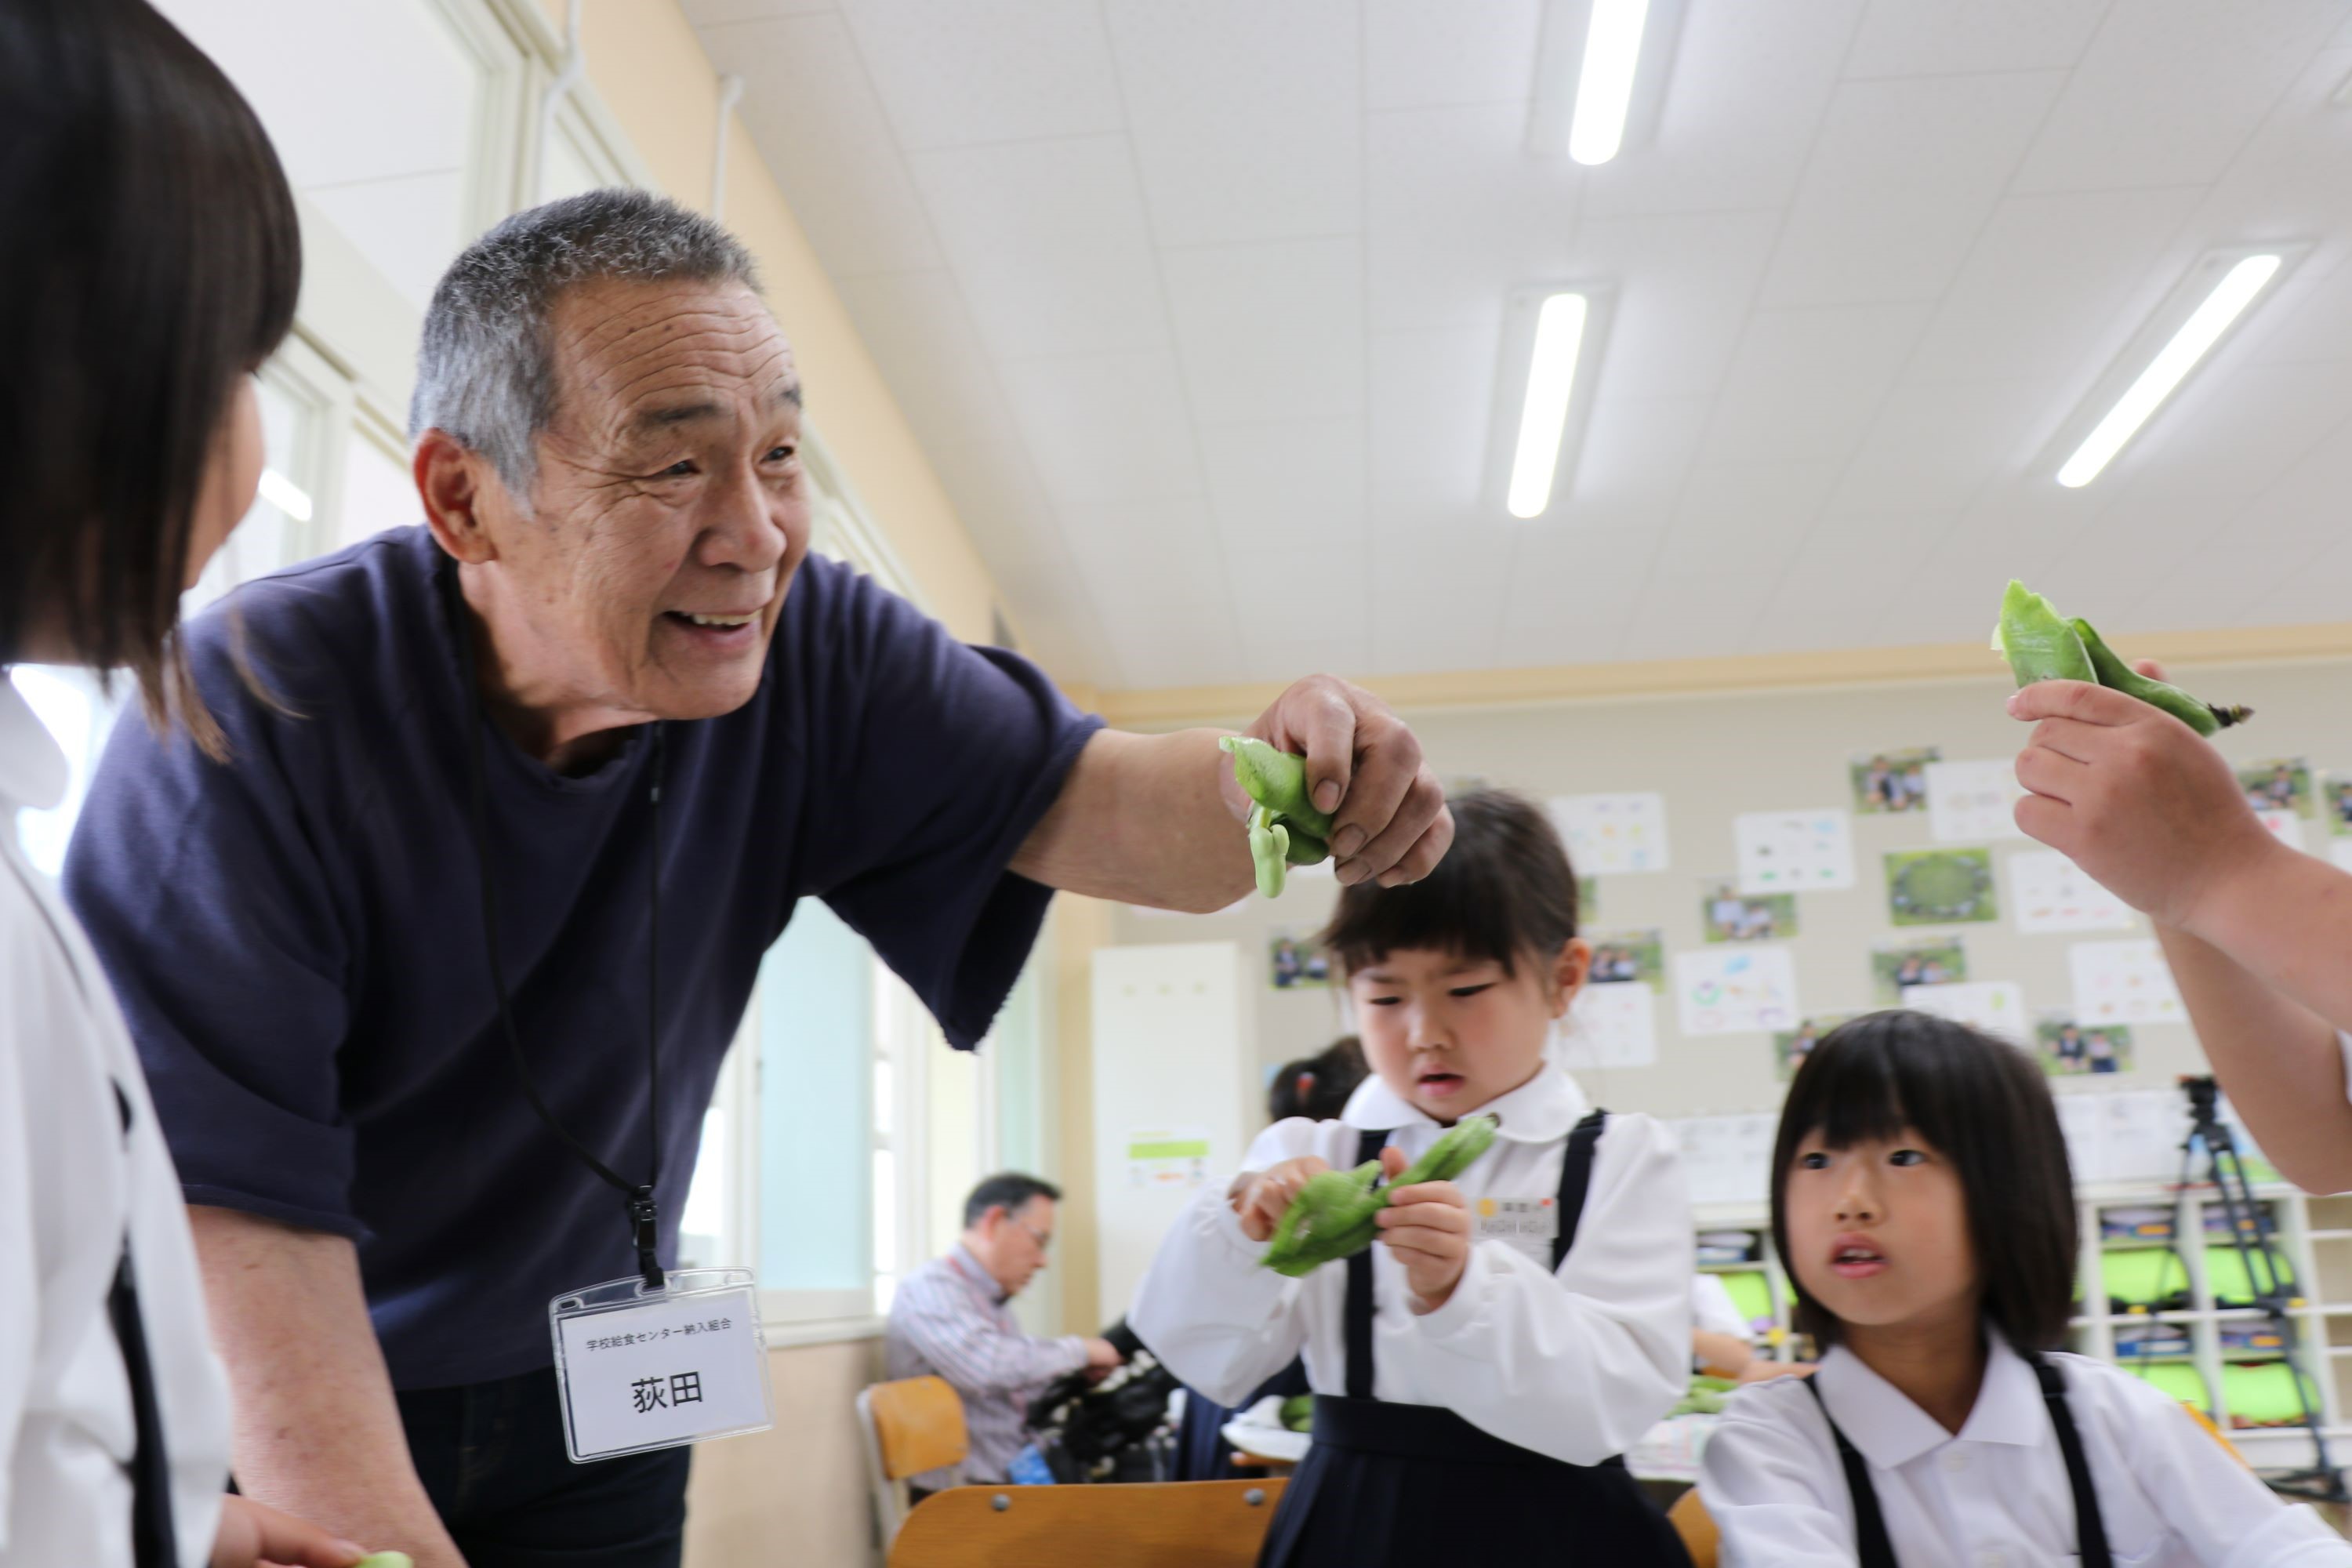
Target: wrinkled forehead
x: 633, y: 359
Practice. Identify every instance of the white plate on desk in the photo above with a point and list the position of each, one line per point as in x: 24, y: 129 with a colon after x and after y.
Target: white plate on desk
x: 1277, y: 1443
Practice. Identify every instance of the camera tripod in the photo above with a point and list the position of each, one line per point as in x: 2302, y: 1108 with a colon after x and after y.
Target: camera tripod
x: 2274, y: 1295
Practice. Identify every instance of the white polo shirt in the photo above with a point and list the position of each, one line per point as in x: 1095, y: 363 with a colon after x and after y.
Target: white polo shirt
x: 1995, y: 1494
x: 69, y: 1184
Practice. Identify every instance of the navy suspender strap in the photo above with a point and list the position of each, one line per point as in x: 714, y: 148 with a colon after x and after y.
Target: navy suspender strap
x: 1872, y: 1549
x: 2090, y: 1526
x: 1359, y: 1316
x: 1575, y: 1181
x: 152, y: 1538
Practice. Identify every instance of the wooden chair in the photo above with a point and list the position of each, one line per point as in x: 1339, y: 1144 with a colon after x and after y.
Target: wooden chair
x: 1169, y: 1524
x: 911, y: 1426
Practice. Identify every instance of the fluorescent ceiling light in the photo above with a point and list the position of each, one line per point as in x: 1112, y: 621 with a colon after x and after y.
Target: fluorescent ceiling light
x: 284, y: 495
x: 1604, y: 87
x: 2195, y: 339
x: 1551, y: 379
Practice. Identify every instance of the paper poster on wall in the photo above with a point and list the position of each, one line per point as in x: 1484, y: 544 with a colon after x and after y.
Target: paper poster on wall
x: 1168, y: 1157
x: 2069, y: 1050
x: 1969, y: 803
x: 1915, y: 961
x: 1940, y: 887
x: 2050, y: 893
x: 1611, y: 1027
x: 1724, y: 914
x: 2283, y: 825
x: 2280, y: 784
x: 1612, y: 834
x: 1995, y: 1006
x: 1891, y: 781
x: 1294, y: 961
x: 1588, y: 899
x: 1792, y: 1047
x: 1794, y: 851
x: 1736, y: 990
x: 1622, y: 956
x: 2122, y: 983
x: 2335, y: 805
x: 1725, y: 1159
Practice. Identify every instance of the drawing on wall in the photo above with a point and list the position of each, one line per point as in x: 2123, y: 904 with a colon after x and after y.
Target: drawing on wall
x: 1940, y: 887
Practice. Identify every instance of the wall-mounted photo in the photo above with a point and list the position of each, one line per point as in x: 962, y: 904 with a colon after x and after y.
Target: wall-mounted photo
x: 2068, y: 1048
x: 1920, y: 961
x: 1729, y: 915
x: 1940, y: 887
x: 2282, y: 784
x: 2339, y: 806
x: 1588, y: 899
x: 1294, y: 962
x: 1629, y: 955
x: 1791, y: 1049
x: 1886, y: 782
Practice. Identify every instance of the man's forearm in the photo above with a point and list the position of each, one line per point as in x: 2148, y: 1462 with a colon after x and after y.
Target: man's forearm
x: 2278, y: 1060
x: 317, y: 1431
x: 1144, y: 820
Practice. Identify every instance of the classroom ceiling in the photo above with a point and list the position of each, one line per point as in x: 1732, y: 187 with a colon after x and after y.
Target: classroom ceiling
x: 1197, y: 305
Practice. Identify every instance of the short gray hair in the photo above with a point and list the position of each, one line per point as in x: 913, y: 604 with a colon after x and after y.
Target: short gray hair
x: 486, y: 369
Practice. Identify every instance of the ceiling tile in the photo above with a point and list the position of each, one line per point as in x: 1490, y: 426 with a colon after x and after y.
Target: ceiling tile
x: 1433, y: 606
x: 1246, y: 117
x: 1302, y: 612
x: 1156, y: 573
x: 2312, y: 589
x: 1813, y: 606
x: 1806, y: 384
x: 408, y: 226
x: 2171, y: 90
x: 1936, y: 37
x: 1422, y: 54
x: 1841, y: 536
x: 1695, y: 615
x: 1272, y: 330
x: 1748, y: 517
x: 1456, y: 213
x: 1574, y: 636
x: 810, y: 109
x: 1934, y: 446
x: 711, y: 13
x: 1901, y: 180
x: 1295, y: 486
x: 1105, y: 427
x: 2055, y: 286
x: 1433, y: 395
x: 956, y: 73
x: 1684, y: 284
x: 1746, y: 88
x: 1049, y: 239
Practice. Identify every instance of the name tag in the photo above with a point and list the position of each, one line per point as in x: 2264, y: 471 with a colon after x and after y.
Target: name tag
x: 641, y: 1369
x: 1518, y: 1219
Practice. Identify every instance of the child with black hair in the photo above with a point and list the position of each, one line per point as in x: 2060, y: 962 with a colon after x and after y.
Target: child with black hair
x: 1479, y: 1371
x: 1317, y: 1087
x: 1922, y: 1200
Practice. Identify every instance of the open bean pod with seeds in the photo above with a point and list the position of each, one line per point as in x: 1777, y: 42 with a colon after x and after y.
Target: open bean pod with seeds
x: 2041, y: 645
x: 1284, y: 828
x: 1334, y: 1215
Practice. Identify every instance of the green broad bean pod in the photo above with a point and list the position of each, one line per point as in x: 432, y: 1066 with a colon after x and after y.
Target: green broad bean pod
x: 1284, y: 828
x: 1334, y: 1215
x: 2041, y: 645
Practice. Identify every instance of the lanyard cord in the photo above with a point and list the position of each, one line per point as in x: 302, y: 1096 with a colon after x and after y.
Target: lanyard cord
x: 637, y: 1199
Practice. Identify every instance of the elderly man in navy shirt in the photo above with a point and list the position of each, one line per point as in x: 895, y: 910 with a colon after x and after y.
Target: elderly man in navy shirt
x: 535, y: 787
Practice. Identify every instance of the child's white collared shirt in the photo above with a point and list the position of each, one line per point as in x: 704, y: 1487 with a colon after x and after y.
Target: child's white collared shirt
x: 1576, y: 1365
x: 1995, y: 1495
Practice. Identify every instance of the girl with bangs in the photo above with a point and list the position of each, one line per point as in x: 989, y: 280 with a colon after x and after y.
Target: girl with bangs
x: 1922, y: 1201
x: 1478, y: 1372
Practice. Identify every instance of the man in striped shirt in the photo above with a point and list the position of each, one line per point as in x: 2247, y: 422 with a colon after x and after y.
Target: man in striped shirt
x: 953, y: 1318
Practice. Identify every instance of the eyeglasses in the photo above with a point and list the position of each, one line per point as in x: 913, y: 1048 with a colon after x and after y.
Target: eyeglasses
x: 1044, y: 1239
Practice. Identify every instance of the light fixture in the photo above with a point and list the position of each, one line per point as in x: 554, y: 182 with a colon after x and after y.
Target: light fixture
x: 1551, y: 384
x: 284, y: 495
x: 2169, y: 366
x: 1553, y: 336
x: 1604, y: 83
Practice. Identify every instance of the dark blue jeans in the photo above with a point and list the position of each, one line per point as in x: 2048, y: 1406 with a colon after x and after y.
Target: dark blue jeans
x: 491, y: 1457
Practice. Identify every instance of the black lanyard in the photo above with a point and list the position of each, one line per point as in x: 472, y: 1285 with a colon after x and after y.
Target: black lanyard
x: 637, y: 1199
x: 1870, y: 1542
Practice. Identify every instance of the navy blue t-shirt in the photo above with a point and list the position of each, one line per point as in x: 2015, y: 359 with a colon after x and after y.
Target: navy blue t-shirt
x: 297, y: 937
